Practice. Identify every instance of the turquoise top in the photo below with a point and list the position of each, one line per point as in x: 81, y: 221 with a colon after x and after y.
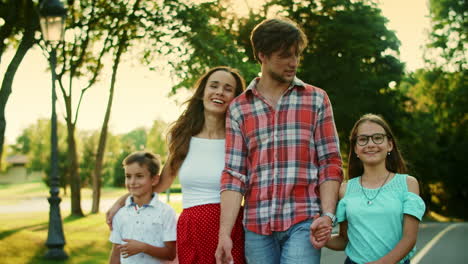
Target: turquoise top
x: 375, y: 228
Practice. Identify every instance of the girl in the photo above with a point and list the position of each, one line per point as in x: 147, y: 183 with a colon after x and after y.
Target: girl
x: 196, y: 154
x: 379, y: 208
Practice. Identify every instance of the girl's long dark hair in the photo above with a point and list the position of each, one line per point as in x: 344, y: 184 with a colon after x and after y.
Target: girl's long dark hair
x: 192, y: 119
x: 394, y: 162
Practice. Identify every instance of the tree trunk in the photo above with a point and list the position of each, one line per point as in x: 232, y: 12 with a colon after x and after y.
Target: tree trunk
x: 97, y: 174
x: 26, y: 43
x: 75, y: 181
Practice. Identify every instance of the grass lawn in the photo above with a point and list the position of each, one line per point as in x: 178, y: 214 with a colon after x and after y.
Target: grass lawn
x: 23, y: 235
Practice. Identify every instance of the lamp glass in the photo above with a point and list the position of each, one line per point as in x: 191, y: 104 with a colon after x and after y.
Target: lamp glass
x: 52, y: 28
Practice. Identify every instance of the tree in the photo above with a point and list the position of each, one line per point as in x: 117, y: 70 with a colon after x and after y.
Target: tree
x: 132, y: 141
x: 351, y: 53
x: 93, y: 30
x: 32, y: 143
x: 156, y: 140
x: 208, y: 35
x: 439, y: 111
x: 20, y: 23
x: 448, y: 38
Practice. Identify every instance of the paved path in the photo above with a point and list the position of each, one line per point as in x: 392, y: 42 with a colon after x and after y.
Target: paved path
x: 438, y: 243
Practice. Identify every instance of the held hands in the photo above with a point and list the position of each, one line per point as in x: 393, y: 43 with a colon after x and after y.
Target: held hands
x: 131, y: 248
x: 320, y: 231
x: 223, y: 252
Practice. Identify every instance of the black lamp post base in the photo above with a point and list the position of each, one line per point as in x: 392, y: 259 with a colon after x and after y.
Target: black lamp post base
x: 56, y: 253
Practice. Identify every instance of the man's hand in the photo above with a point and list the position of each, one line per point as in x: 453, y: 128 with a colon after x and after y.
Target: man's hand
x: 223, y: 252
x: 320, y: 231
x: 131, y: 248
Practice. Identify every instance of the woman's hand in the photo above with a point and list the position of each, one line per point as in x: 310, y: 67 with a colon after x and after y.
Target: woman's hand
x: 114, y: 209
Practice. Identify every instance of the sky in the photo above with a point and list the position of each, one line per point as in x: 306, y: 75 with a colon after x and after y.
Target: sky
x: 141, y: 95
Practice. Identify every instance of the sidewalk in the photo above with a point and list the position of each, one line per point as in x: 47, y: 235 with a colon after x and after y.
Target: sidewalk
x: 40, y: 204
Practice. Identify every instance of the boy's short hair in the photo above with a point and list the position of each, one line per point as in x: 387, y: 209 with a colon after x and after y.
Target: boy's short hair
x: 144, y: 158
x: 276, y: 34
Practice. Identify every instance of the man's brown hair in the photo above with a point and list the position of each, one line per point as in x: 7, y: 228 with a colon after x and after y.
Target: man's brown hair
x: 277, y: 34
x: 150, y: 160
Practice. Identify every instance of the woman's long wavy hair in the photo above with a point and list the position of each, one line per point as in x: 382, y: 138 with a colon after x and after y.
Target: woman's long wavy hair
x: 394, y: 162
x: 192, y: 119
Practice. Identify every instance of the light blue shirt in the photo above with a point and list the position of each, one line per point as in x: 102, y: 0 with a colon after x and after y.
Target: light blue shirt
x: 375, y: 229
x: 153, y: 223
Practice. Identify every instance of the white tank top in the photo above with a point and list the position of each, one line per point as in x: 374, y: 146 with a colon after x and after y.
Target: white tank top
x: 200, y: 173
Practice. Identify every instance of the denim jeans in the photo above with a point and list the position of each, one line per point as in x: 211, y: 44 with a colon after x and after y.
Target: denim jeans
x: 349, y: 261
x: 286, y: 247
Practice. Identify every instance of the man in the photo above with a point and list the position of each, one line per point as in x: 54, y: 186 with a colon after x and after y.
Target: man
x: 282, y: 156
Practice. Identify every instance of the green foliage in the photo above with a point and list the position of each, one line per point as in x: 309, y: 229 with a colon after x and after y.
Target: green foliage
x: 438, y: 112
x: 448, y: 38
x: 135, y: 139
x: 443, y: 98
x: 210, y: 36
x: 119, y: 173
x: 156, y: 141
x: 351, y: 53
x: 34, y: 142
x: 351, y: 56
x: 89, y: 140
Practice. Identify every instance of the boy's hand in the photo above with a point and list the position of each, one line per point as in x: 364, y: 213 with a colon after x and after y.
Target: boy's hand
x: 131, y: 248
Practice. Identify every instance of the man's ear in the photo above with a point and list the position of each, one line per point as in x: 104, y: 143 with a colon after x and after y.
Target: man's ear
x: 261, y: 57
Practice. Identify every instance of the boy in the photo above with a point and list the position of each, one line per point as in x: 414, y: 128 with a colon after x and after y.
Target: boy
x: 144, y: 230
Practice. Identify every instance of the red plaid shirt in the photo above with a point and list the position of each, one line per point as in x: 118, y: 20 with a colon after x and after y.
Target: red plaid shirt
x: 277, y: 158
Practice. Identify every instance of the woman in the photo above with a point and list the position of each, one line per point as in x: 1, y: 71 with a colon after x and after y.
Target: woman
x: 196, y: 154
x: 380, y: 208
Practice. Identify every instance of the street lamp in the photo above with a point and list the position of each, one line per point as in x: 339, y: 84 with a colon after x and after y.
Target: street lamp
x: 52, y: 20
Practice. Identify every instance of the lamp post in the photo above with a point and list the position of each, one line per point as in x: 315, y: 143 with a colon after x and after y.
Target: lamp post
x: 52, y: 17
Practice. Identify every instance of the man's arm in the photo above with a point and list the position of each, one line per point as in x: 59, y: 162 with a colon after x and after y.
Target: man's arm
x: 230, y: 206
x: 329, y: 198
x: 323, y: 231
x: 232, y: 183
x: 330, y: 173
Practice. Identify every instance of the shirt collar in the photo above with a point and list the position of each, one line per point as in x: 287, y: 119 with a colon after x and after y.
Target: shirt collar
x: 252, y: 87
x: 153, y: 202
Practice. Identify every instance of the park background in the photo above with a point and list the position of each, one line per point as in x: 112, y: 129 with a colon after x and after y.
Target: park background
x: 148, y: 53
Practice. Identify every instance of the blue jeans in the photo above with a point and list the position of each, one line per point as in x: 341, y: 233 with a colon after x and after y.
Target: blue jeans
x: 286, y: 247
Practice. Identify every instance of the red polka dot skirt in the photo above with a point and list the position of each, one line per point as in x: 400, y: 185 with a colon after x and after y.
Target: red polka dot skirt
x: 197, y: 235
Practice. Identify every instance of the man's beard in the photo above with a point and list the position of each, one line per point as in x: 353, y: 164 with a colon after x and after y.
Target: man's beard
x: 277, y: 77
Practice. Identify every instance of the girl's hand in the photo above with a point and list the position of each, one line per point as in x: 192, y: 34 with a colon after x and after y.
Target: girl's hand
x: 131, y: 248
x: 320, y: 231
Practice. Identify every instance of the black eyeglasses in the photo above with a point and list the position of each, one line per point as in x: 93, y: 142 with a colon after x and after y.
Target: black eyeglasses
x: 377, y: 138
